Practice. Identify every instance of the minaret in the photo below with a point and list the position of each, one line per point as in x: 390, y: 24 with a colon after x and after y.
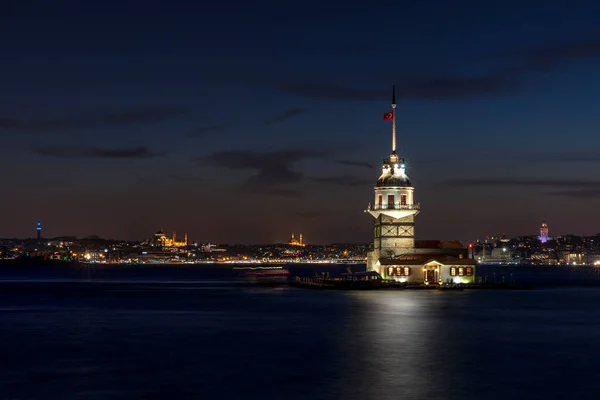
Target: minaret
x: 300, y: 239
x: 185, y: 239
x: 394, y: 209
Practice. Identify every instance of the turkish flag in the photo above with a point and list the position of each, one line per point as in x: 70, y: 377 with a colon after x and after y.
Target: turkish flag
x: 388, y: 116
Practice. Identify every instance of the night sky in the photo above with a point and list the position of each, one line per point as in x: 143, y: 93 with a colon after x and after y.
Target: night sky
x: 244, y: 121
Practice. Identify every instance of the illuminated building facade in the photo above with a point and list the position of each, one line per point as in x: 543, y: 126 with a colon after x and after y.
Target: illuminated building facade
x: 296, y: 242
x: 543, y: 232
x: 395, y: 254
x: 161, y: 240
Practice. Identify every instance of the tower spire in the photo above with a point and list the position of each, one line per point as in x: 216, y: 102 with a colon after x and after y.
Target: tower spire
x: 393, y: 121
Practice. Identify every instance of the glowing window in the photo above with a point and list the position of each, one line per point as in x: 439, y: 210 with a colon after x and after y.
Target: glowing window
x: 452, y: 271
x: 461, y: 271
x: 403, y: 200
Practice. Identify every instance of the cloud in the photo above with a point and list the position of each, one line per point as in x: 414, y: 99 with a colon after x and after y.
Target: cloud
x: 181, y: 178
x: 345, y: 180
x: 93, y: 152
x: 435, y: 87
x: 306, y: 214
x: 523, y: 182
x: 207, y: 130
x: 270, y: 167
x: 287, y: 114
x: 577, y: 193
x: 92, y: 121
x: 356, y: 163
x: 550, y: 56
x: 279, y: 192
x: 572, y: 157
x: 148, y: 181
x: 8, y: 123
x: 507, y: 76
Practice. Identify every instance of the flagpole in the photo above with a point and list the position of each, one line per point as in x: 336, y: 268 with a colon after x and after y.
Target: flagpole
x: 393, y: 119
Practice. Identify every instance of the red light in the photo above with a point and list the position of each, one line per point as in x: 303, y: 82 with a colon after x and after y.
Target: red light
x: 470, y: 245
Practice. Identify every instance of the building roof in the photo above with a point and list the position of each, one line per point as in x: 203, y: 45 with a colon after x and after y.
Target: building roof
x: 393, y: 181
x: 421, y: 259
x: 438, y: 244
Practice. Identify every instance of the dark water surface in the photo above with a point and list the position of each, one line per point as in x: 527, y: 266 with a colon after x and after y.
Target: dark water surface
x: 201, y: 332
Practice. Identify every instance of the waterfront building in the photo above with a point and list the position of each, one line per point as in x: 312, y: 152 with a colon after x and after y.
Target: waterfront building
x: 544, y: 232
x: 395, y: 253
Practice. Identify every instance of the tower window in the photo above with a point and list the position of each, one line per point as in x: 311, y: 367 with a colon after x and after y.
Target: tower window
x: 403, y: 200
x: 390, y: 201
x: 380, y: 200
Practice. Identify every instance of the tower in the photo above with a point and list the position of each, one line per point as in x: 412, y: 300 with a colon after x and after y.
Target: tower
x: 301, y: 240
x: 39, y: 230
x: 543, y: 232
x: 394, y: 209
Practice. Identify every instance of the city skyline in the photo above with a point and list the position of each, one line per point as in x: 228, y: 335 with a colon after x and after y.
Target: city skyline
x: 543, y: 232
x: 235, y: 123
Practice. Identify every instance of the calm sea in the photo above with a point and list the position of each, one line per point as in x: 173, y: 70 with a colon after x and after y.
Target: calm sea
x: 202, y: 332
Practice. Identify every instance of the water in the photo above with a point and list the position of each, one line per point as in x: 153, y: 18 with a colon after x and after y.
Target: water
x: 202, y: 332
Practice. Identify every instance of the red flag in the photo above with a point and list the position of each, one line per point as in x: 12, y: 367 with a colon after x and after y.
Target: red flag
x: 388, y: 116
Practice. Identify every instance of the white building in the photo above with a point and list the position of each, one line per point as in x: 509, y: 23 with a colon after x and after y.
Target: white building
x: 395, y: 254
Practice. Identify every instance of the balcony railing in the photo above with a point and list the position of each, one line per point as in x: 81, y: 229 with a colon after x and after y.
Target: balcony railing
x: 394, y: 206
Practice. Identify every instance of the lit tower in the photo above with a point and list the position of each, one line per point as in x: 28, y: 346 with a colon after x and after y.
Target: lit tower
x: 543, y: 232
x: 39, y: 230
x: 394, y: 209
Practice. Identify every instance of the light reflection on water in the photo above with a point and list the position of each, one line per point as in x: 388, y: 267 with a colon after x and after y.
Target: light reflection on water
x: 281, y: 343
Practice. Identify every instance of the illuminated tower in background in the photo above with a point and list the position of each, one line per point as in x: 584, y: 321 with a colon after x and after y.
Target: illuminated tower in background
x: 543, y: 232
x: 394, y: 209
x: 39, y: 230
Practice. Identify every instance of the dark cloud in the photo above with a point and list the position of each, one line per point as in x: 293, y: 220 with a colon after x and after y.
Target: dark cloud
x: 148, y: 181
x: 280, y: 192
x: 566, y: 157
x: 306, y: 214
x: 93, y: 152
x: 207, y: 130
x: 523, y: 182
x: 578, y: 193
x: 287, y: 114
x: 8, y: 123
x: 182, y: 178
x: 356, y: 163
x: 553, y: 55
x: 331, y: 91
x: 345, y: 180
x: 91, y: 121
x: 437, y: 87
x: 508, y: 75
x: 269, y: 167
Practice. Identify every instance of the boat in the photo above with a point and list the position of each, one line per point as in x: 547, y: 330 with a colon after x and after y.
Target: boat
x: 268, y: 277
x: 367, y: 280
